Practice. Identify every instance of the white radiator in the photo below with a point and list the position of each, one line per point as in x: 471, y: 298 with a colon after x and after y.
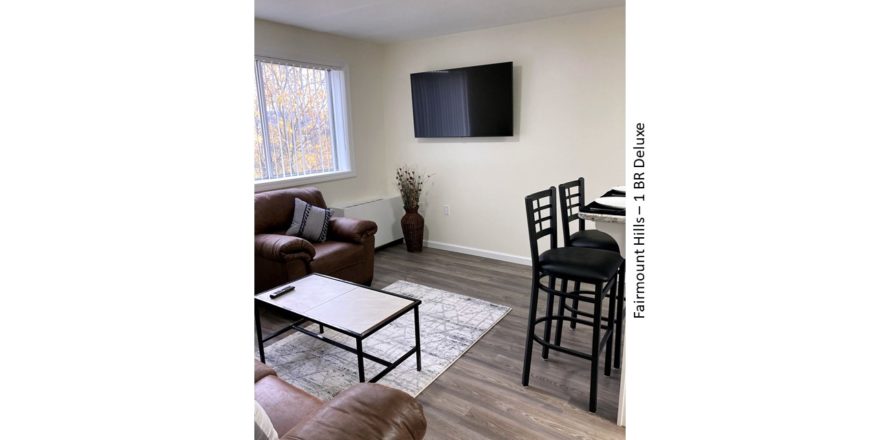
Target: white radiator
x: 386, y: 212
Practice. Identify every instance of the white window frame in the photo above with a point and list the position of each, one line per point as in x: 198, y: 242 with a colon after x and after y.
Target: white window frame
x: 341, y: 118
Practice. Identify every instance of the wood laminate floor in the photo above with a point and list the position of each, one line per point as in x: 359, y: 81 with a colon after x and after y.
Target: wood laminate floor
x: 481, y: 395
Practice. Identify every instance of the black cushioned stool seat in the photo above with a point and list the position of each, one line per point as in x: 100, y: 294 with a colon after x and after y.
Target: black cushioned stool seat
x: 594, y: 239
x: 588, y: 265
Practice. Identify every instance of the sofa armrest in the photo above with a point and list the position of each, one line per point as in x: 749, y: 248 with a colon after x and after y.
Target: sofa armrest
x: 351, y: 230
x: 283, y: 247
x: 262, y: 370
x: 367, y: 411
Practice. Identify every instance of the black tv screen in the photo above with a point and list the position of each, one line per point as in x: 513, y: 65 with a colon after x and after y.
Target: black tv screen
x: 465, y: 102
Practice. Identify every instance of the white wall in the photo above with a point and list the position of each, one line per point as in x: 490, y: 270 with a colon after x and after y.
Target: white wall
x: 568, y: 119
x: 568, y: 122
x: 365, y: 70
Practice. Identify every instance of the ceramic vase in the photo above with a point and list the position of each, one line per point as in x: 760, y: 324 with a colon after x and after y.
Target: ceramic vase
x: 413, y: 225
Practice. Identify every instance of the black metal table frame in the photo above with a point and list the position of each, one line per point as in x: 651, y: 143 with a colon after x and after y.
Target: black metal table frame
x: 358, y: 349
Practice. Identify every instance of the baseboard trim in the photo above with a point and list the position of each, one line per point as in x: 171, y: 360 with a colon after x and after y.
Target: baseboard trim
x: 479, y: 252
x: 389, y: 244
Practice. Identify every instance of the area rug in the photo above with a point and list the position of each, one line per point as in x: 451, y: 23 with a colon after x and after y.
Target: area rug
x: 450, y: 324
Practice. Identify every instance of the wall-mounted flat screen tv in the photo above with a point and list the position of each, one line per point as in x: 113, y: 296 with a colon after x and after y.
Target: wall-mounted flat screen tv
x: 465, y: 102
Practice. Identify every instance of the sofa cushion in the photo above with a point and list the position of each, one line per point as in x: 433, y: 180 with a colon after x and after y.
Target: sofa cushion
x: 333, y: 256
x: 309, y: 221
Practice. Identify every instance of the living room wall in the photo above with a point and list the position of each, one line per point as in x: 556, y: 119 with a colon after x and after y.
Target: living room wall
x: 364, y: 61
x: 568, y: 122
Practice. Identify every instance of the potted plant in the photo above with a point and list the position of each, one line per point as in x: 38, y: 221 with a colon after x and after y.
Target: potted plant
x: 410, y: 182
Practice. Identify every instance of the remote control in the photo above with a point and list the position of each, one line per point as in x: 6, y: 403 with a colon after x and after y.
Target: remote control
x: 274, y: 295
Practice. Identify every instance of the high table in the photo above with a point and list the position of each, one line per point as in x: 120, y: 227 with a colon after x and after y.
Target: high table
x: 615, y: 226
x: 608, y: 220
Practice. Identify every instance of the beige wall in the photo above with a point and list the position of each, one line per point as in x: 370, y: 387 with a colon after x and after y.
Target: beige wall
x: 568, y: 119
x: 364, y: 62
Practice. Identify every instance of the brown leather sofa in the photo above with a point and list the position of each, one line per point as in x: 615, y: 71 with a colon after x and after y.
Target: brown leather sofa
x: 280, y: 258
x: 364, y: 411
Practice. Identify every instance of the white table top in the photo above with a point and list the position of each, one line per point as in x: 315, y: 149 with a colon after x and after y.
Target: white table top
x: 607, y: 218
x: 337, y: 303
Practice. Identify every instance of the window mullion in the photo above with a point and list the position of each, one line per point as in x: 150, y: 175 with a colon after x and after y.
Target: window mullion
x: 312, y: 107
x: 320, y: 152
x: 269, y: 171
x: 310, y: 90
x: 299, y: 111
x: 332, y: 110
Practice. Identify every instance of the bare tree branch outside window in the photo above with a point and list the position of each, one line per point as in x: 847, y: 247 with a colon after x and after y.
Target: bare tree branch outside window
x: 293, y: 122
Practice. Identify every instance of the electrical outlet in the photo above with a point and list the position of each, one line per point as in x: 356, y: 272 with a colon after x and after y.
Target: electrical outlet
x: 445, y: 209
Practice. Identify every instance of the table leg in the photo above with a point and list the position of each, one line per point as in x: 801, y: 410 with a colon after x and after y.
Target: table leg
x: 360, y: 355
x: 621, y: 294
x: 418, y: 342
x: 259, y: 333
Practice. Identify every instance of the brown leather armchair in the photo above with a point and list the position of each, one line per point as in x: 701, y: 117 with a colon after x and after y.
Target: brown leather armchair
x: 364, y: 411
x: 280, y: 258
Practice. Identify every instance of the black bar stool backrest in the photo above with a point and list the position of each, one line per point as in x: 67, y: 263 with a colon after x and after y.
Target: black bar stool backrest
x: 571, y: 197
x: 541, y: 213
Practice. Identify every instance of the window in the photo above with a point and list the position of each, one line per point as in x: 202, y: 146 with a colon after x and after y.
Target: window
x: 300, y: 123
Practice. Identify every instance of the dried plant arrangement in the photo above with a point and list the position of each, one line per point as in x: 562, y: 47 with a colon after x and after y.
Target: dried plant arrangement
x: 409, y: 182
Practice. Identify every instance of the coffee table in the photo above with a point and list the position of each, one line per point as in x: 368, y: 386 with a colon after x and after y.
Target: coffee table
x: 349, y: 308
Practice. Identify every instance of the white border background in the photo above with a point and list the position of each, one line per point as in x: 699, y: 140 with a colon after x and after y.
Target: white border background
x: 128, y: 267
x: 127, y: 253
x: 761, y: 207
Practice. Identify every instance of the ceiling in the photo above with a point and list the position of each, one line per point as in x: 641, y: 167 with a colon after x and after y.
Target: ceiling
x: 385, y: 21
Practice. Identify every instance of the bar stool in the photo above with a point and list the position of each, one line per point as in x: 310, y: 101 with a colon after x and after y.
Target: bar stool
x: 572, y: 201
x: 600, y: 268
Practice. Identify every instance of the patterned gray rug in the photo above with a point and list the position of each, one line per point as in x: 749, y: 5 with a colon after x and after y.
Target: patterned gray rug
x: 450, y: 324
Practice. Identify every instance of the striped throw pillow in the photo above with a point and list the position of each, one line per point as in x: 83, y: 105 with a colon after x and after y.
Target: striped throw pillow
x: 310, y: 222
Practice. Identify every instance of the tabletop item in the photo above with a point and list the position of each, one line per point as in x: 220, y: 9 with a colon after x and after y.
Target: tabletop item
x: 613, y: 202
x: 281, y: 291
